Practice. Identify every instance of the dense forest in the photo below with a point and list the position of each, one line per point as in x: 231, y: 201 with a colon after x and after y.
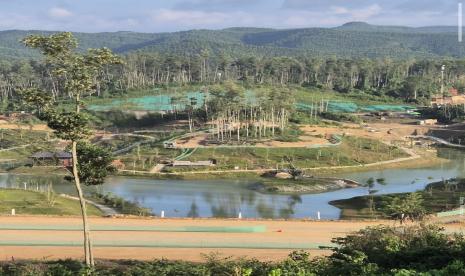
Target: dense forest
x: 412, y: 80
x: 350, y: 40
x: 354, y: 58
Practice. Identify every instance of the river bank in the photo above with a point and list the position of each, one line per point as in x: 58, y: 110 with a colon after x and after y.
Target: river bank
x: 321, y: 179
x: 180, y: 196
x: 439, y: 196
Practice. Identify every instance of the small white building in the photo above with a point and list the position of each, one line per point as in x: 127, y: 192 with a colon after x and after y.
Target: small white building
x: 207, y: 163
x: 169, y: 145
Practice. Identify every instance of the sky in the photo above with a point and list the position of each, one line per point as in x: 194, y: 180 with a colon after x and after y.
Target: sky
x: 177, y: 15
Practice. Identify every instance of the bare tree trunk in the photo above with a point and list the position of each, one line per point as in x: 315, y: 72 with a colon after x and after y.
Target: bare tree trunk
x: 87, y: 241
x: 88, y: 254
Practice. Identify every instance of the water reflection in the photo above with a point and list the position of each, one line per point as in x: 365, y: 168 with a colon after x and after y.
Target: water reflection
x: 194, y: 211
x: 226, y: 198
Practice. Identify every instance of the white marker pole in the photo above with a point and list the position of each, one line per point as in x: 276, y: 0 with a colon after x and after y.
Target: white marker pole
x: 460, y: 23
x: 318, y: 215
x: 13, y: 212
x: 162, y: 215
x: 240, y: 215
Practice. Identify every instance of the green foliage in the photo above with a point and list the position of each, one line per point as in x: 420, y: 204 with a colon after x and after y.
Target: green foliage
x: 445, y: 114
x: 420, y: 248
x: 36, y: 99
x: 78, y: 76
x: 70, y: 126
x: 94, y: 163
x: 340, y: 117
x: 358, y: 41
x: 123, y: 206
x: 436, y: 197
x: 60, y: 44
x: 370, y: 182
x: 411, y: 207
x: 374, y: 64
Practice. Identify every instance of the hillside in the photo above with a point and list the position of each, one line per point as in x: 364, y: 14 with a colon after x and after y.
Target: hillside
x: 354, y: 39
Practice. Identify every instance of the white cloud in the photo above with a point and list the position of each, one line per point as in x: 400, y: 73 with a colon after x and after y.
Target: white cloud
x: 170, y: 17
x: 59, y: 13
x: 366, y: 13
x: 339, y: 10
x: 189, y: 17
x: 200, y: 19
x: 357, y: 13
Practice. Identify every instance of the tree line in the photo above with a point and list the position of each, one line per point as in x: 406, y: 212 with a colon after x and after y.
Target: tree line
x: 411, y: 80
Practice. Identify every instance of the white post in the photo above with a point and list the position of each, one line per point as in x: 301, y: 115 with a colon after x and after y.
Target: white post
x: 240, y: 215
x: 13, y: 212
x: 318, y: 215
x: 162, y: 215
x: 25, y: 186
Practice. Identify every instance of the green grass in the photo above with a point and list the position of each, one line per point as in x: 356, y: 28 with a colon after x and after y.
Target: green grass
x: 353, y: 151
x: 38, y: 170
x: 39, y: 141
x: 148, y: 156
x: 36, y: 203
x: 438, y: 197
x: 309, y: 95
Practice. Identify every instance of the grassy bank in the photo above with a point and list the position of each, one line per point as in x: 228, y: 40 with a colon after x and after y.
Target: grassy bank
x: 437, y: 197
x: 427, y: 159
x: 16, y: 140
x: 36, y: 203
x: 121, y: 205
x: 353, y: 151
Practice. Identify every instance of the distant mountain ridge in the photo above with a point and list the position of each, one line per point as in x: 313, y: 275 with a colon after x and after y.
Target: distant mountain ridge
x: 353, y: 39
x: 363, y: 26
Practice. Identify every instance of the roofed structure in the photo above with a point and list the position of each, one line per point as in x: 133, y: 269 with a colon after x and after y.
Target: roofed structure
x: 49, y: 158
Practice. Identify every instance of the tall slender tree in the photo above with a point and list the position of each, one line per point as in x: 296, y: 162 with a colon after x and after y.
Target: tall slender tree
x: 77, y: 74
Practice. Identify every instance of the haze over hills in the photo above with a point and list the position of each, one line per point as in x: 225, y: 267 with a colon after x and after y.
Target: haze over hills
x: 354, y: 39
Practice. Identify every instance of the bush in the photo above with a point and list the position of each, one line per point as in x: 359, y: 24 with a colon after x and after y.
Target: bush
x: 340, y: 117
x: 121, y: 205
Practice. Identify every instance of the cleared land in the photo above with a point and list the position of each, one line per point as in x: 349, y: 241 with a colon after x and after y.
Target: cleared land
x: 115, y: 241
x: 352, y: 151
x: 377, y: 144
x: 276, y: 242
x: 316, y: 135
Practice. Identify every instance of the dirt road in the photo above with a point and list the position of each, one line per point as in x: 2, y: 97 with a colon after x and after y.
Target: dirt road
x: 186, y: 239
x: 36, y: 127
x: 36, y: 237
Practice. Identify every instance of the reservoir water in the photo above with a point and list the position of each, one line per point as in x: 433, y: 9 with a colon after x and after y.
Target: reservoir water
x: 226, y: 198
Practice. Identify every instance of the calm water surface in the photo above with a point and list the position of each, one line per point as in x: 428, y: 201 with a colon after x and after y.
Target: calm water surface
x: 226, y: 198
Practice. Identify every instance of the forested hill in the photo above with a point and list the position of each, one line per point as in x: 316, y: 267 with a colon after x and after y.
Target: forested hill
x: 355, y: 39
